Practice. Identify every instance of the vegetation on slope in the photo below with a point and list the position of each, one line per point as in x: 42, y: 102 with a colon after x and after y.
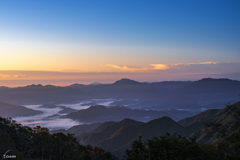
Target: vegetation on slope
x: 38, y: 143
x: 222, y: 131
x: 166, y: 147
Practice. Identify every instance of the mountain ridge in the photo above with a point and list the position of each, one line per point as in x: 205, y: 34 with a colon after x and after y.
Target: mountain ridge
x: 11, y: 110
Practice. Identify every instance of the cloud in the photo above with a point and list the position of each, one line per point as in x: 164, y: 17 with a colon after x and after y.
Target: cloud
x: 147, y: 73
x: 182, y: 67
x: 188, y: 64
x: 13, y: 76
x: 137, y: 69
x: 207, y: 63
x: 157, y: 66
x: 160, y: 66
x: 128, y: 68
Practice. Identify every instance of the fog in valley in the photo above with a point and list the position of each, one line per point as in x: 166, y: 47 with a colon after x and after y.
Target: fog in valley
x: 51, y: 116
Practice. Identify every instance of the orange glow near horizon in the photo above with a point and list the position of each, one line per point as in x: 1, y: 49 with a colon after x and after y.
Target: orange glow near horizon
x: 110, y: 73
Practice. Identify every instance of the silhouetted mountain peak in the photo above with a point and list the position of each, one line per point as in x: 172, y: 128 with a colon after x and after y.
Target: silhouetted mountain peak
x: 214, y: 80
x: 39, y: 86
x: 49, y: 85
x: 4, y: 87
x: 95, y: 83
x: 208, y: 85
x: 35, y: 85
x: 76, y: 85
x: 163, y: 120
x: 128, y: 121
x: 126, y: 81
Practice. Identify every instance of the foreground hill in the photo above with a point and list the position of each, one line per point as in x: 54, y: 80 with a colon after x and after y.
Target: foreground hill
x: 223, y: 118
x: 25, y: 143
x: 119, y: 136
x: 10, y: 110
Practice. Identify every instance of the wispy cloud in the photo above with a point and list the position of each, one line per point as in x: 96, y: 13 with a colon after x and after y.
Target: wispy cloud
x: 13, y: 76
x: 160, y: 66
x: 188, y: 64
x: 157, y: 66
x: 128, y: 68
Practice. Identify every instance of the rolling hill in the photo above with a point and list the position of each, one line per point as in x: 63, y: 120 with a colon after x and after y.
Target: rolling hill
x: 196, y: 125
x: 102, y: 114
x: 10, y: 110
x: 117, y: 137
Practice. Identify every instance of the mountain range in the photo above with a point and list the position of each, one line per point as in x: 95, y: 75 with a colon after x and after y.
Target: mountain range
x: 101, y: 113
x: 140, y: 108
x: 37, y: 94
x: 116, y: 137
x: 133, y: 94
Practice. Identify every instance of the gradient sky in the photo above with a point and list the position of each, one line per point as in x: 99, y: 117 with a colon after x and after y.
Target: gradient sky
x: 67, y: 41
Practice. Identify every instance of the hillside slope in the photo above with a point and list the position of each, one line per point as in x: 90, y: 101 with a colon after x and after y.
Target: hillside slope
x: 102, y: 114
x: 119, y: 136
x: 196, y: 125
x: 10, y: 110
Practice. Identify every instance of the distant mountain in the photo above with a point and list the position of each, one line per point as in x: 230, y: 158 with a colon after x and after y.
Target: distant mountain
x: 76, y: 85
x: 209, y: 90
x: 126, y: 81
x: 121, y: 88
x: 170, y: 86
x: 96, y: 83
x: 10, y: 110
x: 42, y: 94
x: 119, y: 136
x: 148, y: 94
x: 4, y: 87
x: 102, y: 114
x: 212, y: 85
x: 131, y: 93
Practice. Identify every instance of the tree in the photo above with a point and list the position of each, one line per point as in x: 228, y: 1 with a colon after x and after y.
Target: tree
x: 6, y: 143
x: 227, y: 135
x: 166, y: 147
x: 138, y: 150
x: 38, y: 143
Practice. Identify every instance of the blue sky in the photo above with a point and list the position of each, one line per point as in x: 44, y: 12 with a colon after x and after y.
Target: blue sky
x: 96, y: 35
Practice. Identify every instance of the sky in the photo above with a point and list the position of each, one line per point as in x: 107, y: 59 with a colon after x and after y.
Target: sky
x: 61, y: 42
